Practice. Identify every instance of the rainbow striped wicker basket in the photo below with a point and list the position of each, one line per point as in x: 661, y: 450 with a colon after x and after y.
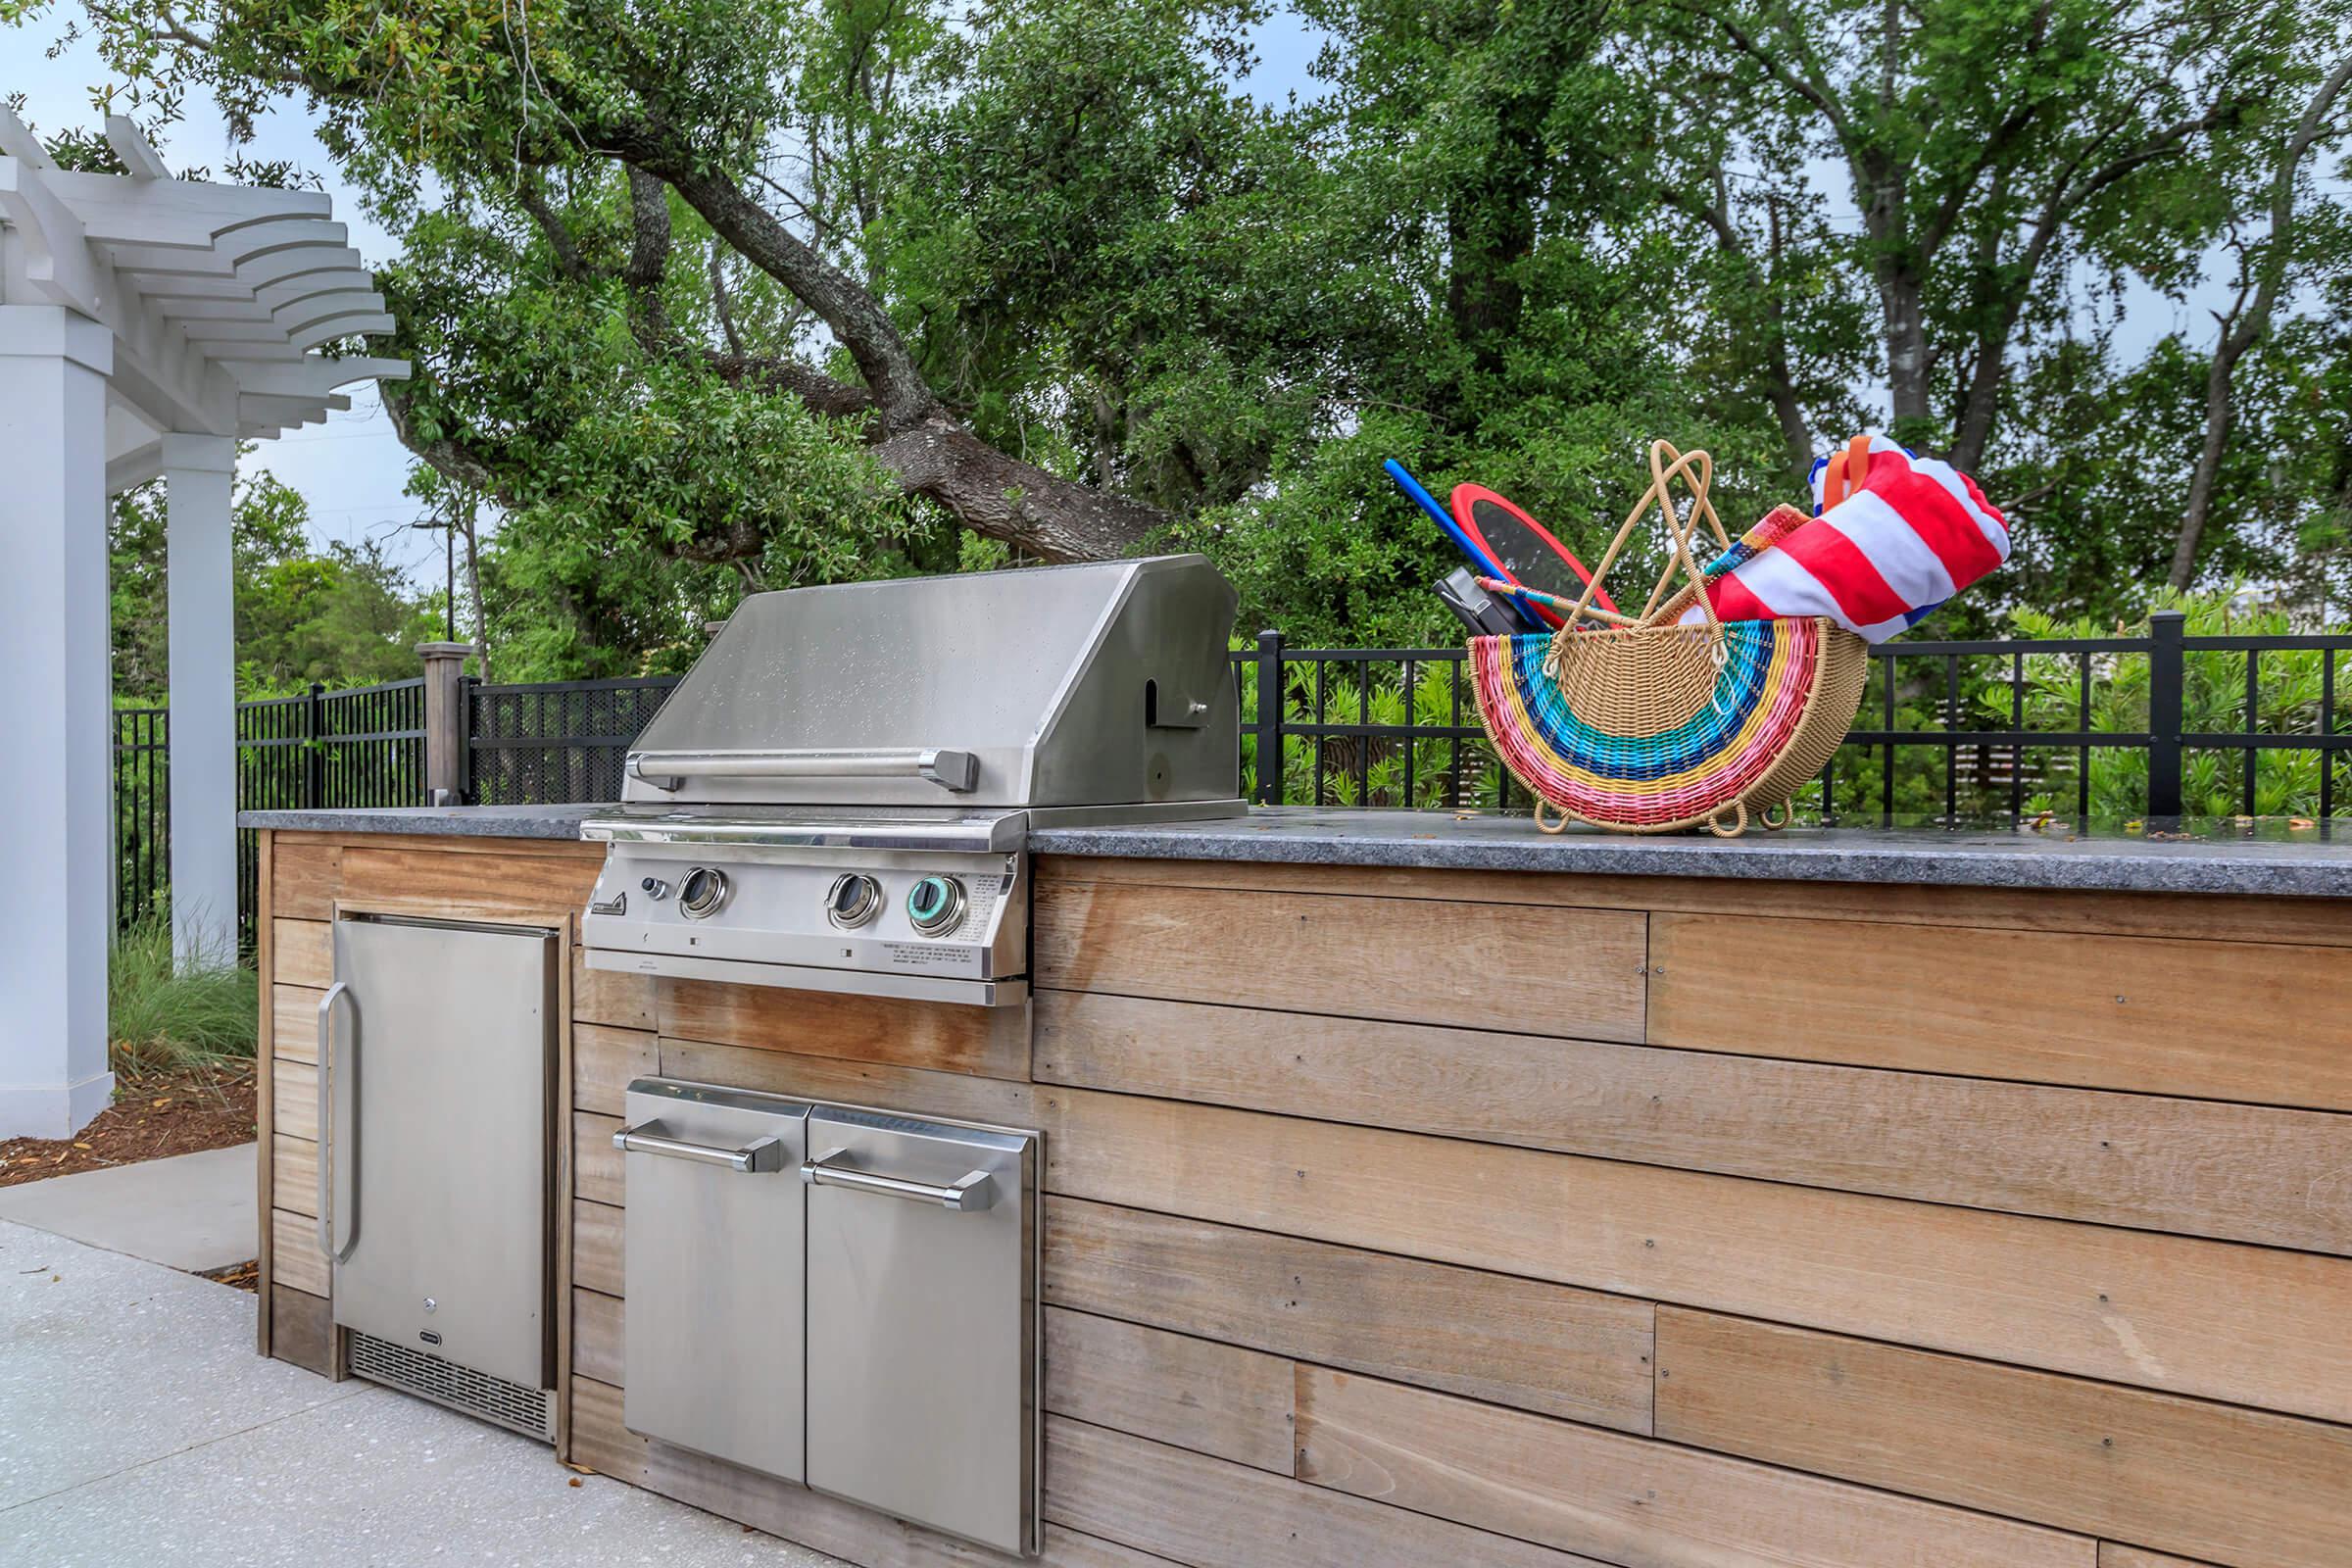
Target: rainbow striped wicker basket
x: 1649, y: 724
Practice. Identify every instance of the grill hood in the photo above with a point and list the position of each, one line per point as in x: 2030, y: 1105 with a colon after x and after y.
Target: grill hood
x: 1104, y: 684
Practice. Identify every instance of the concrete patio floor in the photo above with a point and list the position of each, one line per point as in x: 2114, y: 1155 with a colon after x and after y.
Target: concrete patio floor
x: 137, y: 1424
x: 191, y: 1212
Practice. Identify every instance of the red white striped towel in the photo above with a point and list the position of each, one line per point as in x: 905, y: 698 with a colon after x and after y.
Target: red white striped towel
x: 1877, y: 560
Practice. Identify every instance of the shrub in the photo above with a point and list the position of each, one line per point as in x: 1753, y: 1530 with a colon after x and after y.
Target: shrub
x: 161, y: 1016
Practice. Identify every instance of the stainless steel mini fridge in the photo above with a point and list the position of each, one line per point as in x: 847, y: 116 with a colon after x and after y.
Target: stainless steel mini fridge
x: 436, y: 1054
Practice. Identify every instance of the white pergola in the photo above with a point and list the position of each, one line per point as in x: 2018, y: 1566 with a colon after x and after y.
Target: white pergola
x: 147, y: 325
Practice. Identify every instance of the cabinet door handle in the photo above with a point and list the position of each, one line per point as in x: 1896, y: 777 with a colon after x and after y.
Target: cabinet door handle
x: 973, y: 1192
x: 330, y: 1144
x: 647, y: 1138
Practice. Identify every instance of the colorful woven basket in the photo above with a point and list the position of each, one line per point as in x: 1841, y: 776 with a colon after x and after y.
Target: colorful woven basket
x: 1647, y: 724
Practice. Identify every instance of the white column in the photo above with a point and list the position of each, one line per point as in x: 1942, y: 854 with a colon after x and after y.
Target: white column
x: 55, y: 777
x: 197, y: 472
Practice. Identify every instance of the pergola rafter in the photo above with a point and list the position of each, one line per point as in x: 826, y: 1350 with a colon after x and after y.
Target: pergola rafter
x: 147, y: 325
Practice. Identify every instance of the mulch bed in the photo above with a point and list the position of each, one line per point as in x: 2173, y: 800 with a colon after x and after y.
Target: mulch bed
x: 154, y: 1114
x: 245, y: 1276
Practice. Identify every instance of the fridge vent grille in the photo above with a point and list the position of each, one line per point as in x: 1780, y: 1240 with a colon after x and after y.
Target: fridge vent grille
x: 530, y: 1411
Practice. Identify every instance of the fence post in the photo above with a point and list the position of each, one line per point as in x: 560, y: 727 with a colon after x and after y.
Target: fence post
x: 2166, y: 629
x: 1269, y: 718
x: 445, y: 737
x: 314, y: 754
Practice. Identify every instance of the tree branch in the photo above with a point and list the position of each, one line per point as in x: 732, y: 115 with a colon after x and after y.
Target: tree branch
x: 720, y: 306
x: 1017, y: 502
x: 453, y: 460
x: 2251, y: 325
x: 857, y: 319
x: 568, y: 259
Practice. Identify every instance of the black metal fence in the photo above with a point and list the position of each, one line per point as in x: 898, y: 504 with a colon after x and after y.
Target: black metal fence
x: 1955, y: 732
x: 555, y: 741
x: 142, y: 810
x: 363, y: 745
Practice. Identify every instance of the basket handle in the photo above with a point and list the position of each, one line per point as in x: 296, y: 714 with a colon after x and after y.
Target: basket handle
x: 1697, y: 469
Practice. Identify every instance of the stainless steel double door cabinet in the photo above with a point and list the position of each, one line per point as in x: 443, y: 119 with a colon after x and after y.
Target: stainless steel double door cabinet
x: 839, y: 1297
x: 436, y: 1077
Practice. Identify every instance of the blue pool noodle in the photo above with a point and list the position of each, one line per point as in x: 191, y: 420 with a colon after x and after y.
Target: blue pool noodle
x: 1454, y: 530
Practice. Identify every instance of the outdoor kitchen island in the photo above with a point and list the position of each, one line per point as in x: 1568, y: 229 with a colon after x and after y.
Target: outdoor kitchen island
x: 1420, y: 1190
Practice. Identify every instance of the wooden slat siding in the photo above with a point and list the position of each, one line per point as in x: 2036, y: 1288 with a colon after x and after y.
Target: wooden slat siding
x: 303, y: 953
x: 559, y: 1262
x: 1211, y: 1398
x: 989, y: 1042
x: 2255, y: 1325
x: 264, y: 1177
x: 597, y: 1247
x: 2213, y: 1020
x: 826, y: 1523
x: 1422, y: 961
x: 2249, y: 1174
x: 1213, y: 1513
x: 1549, y: 1347
x: 1631, y: 1499
x: 910, y: 1091
x: 601, y: 996
x: 598, y: 1324
x: 2113, y: 1554
x: 294, y: 1245
x: 477, y: 886
x: 304, y: 874
x: 302, y: 1329
x: 294, y: 1091
x: 604, y: 1061
x: 2326, y: 922
x: 294, y: 1022
x: 596, y: 1166
x: 294, y: 1162
x: 2204, y: 1479
x: 591, y: 855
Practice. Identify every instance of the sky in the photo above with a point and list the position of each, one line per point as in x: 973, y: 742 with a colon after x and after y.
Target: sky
x: 352, y: 470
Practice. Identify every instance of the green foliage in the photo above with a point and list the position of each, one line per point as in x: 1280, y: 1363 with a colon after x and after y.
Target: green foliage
x: 1510, y: 242
x: 346, y: 618
x: 2048, y: 692
x: 163, y: 1014
x: 1378, y: 770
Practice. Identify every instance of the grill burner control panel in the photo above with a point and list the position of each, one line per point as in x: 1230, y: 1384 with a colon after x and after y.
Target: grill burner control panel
x: 895, y: 922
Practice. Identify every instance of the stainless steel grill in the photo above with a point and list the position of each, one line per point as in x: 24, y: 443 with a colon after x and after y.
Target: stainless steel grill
x: 838, y: 797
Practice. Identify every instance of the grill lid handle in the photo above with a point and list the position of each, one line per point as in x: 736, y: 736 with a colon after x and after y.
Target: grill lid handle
x: 959, y: 771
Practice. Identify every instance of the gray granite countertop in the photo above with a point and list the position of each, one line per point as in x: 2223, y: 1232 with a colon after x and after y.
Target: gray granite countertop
x: 442, y: 822
x: 2266, y: 857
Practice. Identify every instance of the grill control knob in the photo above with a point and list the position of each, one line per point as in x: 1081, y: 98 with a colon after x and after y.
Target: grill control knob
x: 702, y: 891
x: 935, y: 903
x: 855, y: 900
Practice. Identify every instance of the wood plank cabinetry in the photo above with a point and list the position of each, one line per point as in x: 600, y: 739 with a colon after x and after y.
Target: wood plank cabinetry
x: 1404, y: 1217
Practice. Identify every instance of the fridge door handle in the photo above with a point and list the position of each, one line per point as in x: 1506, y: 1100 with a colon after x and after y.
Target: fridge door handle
x: 967, y: 1195
x: 331, y: 1146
